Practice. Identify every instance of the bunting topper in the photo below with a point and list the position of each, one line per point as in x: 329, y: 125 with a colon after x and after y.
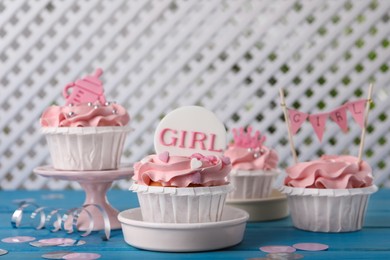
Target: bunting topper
x: 338, y: 115
x: 296, y: 120
x: 359, y: 110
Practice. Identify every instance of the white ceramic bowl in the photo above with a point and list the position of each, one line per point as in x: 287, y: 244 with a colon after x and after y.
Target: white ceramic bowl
x: 183, y: 237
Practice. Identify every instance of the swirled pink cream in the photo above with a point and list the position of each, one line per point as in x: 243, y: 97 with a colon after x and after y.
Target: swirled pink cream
x: 330, y: 172
x: 84, y: 115
x: 242, y: 158
x: 182, y: 171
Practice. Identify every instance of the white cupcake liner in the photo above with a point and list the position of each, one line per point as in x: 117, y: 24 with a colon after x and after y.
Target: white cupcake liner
x: 86, y: 148
x: 251, y: 184
x: 181, y: 205
x: 328, y: 210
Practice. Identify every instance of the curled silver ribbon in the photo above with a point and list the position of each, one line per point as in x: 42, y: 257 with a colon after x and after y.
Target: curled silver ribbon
x: 17, y: 216
x: 42, y: 219
x: 76, y: 215
x: 57, y: 222
x: 106, y: 220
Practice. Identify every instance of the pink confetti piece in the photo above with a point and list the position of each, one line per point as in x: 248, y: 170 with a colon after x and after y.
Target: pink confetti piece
x: 57, y: 241
x: 3, y: 252
x: 18, y: 239
x: 79, y: 243
x: 82, y: 256
x: 277, y: 249
x: 287, y: 256
x: 311, y: 246
x: 56, y: 254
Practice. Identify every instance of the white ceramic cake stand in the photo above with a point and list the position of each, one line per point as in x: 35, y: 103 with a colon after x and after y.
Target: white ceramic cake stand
x: 95, y: 185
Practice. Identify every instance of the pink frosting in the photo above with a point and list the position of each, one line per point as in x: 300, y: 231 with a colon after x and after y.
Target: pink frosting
x: 176, y: 171
x: 330, y: 172
x: 84, y: 115
x: 252, y: 159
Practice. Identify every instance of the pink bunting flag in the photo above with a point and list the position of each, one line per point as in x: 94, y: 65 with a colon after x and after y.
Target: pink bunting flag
x: 357, y: 110
x: 339, y: 116
x: 318, y: 122
x: 296, y: 119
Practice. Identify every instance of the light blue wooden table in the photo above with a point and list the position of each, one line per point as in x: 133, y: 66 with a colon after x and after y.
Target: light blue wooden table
x: 373, y: 242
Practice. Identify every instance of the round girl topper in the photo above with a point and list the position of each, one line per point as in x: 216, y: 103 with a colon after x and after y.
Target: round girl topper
x: 189, y: 130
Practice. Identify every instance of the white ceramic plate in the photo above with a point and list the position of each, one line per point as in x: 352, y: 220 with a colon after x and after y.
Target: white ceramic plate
x: 182, y: 237
x: 271, y: 208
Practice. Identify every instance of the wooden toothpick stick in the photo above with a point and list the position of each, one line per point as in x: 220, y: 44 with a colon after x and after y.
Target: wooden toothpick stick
x: 363, y: 134
x: 287, y: 119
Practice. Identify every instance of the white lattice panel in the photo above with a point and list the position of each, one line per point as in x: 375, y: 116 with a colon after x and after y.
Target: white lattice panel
x: 229, y: 56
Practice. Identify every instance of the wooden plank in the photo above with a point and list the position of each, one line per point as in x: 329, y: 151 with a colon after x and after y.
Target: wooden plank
x: 369, y: 243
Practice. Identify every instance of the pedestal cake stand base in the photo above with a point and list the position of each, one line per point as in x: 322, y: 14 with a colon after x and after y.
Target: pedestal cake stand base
x: 95, y: 185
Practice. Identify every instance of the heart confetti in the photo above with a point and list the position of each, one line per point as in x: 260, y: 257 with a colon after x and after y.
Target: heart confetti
x: 311, y: 246
x: 3, y: 252
x: 57, y: 241
x: 284, y: 256
x: 56, y: 254
x: 195, y: 164
x: 78, y: 243
x: 277, y: 249
x: 82, y: 256
x: 164, y: 156
x: 18, y: 239
x: 39, y: 244
x: 67, y: 243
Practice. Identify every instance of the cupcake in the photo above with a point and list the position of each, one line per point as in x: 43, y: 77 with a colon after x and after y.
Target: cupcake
x: 186, y: 180
x: 87, y: 133
x: 181, y: 189
x: 254, y: 166
x: 329, y: 194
